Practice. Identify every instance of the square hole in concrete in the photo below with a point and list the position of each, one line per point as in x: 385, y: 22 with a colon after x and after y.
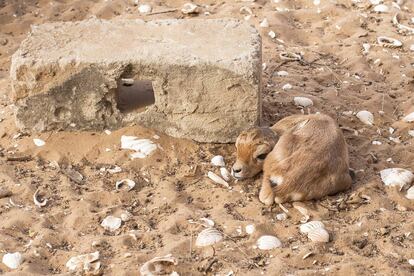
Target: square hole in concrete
x: 134, y: 95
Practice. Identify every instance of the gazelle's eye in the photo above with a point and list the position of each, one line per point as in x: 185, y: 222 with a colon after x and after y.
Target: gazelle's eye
x: 261, y: 156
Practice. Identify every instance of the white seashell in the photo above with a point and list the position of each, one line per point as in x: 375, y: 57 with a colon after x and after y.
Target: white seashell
x: 39, y: 142
x: 272, y: 34
x: 107, y: 132
x: 37, y: 202
x: 287, y: 86
x: 395, y: 140
x: 401, y: 28
x: 12, y: 260
x: 391, y: 130
x: 268, y: 242
x: 281, y: 216
x: 159, y: 266
x: 316, y: 2
x: 225, y: 174
x: 302, y: 101
x: 126, y: 216
x: 264, y: 23
x: 144, y: 8
x: 290, y: 56
x: 264, y: 66
x: 190, y: 8
x: 381, y: 8
x: 310, y: 226
x: 410, y: 193
x: 411, y: 133
x: 396, y: 177
x: 130, y: 183
x: 366, y: 47
x: 377, y: 143
x: 375, y: 2
x: 115, y: 170
x: 111, y: 223
x: 250, y: 229
x: 142, y: 147
x: 282, y: 73
x: 411, y: 262
x: 366, y: 117
x: 409, y: 118
x: 84, y: 262
x: 208, y: 236
x: 389, y: 42
x: 217, y: 179
x: 218, y: 161
x: 412, y: 47
x: 319, y: 235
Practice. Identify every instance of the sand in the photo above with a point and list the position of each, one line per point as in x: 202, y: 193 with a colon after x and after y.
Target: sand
x: 371, y: 225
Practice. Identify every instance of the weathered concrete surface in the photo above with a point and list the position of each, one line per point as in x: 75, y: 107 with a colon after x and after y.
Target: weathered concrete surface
x: 206, y: 76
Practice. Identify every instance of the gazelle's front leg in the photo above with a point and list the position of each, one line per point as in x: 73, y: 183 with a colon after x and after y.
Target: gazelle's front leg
x: 266, y: 195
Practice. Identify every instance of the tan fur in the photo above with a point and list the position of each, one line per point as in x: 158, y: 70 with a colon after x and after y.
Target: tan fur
x: 309, y: 161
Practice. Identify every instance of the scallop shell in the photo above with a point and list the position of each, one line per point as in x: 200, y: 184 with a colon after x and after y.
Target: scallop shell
x: 190, y: 8
x: 208, y: 236
x: 142, y: 147
x: 366, y: 117
x: 144, y: 8
x: 225, y: 174
x: 381, y: 8
x: 302, y: 101
x: 409, y: 118
x: 159, y: 266
x: 319, y: 235
x: 39, y: 142
x: 37, y: 202
x: 130, y: 183
x: 12, y: 260
x: 389, y: 42
x: 310, y: 226
x: 84, y: 262
x: 268, y: 242
x: 396, y: 177
x: 264, y: 23
x: 111, y: 223
x: 218, y: 161
x: 217, y: 179
x: 410, y: 193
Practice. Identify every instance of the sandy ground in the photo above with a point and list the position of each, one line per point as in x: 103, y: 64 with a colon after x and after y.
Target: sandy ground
x: 371, y: 225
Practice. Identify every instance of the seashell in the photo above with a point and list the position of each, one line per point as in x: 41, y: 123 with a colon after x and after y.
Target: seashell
x: 319, y: 235
x: 268, y: 242
x: 281, y: 216
x: 388, y: 42
x: 218, y: 161
x: 208, y: 236
x: 87, y: 262
x: 159, y: 266
x: 264, y: 23
x: 225, y: 174
x: 39, y: 142
x: 302, y: 101
x: 142, y: 147
x: 217, y: 179
x: 126, y: 216
x: 411, y: 262
x: 272, y: 34
x: 144, y: 8
x: 366, y: 117
x: 12, y: 260
x: 377, y: 143
x: 287, y: 86
x: 375, y: 2
x: 37, y: 202
x: 396, y: 177
x: 130, y: 183
x: 410, y: 193
x: 401, y: 28
x: 366, y: 47
x: 282, y: 73
x: 409, y: 118
x: 310, y: 226
x: 395, y: 140
x: 116, y: 169
x: 190, y: 8
x: 250, y: 229
x: 289, y: 56
x: 381, y: 8
x: 111, y: 223
x: 107, y: 132
x: 411, y: 133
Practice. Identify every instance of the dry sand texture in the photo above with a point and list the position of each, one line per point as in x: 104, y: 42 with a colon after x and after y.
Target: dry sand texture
x: 371, y: 226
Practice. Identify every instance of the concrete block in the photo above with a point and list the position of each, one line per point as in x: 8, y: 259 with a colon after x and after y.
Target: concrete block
x: 197, y: 79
